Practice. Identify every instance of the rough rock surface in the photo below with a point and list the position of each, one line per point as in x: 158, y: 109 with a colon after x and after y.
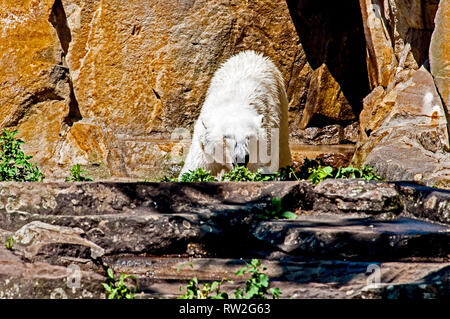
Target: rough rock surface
x: 110, y: 82
x: 440, y: 52
x: 23, y: 280
x: 404, y: 121
x: 410, y: 139
x: 149, y: 230
x: 295, y: 278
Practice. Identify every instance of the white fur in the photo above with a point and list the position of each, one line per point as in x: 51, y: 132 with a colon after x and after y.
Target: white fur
x: 246, y: 99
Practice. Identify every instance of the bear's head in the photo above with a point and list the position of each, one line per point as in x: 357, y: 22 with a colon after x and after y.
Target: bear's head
x: 232, y: 140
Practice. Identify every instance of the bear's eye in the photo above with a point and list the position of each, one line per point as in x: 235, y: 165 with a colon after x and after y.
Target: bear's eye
x: 227, y: 137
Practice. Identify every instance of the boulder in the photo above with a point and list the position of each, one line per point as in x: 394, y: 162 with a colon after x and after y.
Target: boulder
x: 35, y: 90
x: 409, y: 141
x: 440, y: 52
x: 37, y: 239
x: 356, y: 196
x: 39, y: 280
x: 404, y: 129
x: 296, y: 279
x: 65, y: 236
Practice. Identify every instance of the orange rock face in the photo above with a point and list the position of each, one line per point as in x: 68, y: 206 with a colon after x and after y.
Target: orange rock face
x: 104, y: 84
x: 107, y: 84
x: 35, y: 86
x: 440, y: 51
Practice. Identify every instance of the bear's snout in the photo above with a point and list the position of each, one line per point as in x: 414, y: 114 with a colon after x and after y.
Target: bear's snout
x: 241, y: 160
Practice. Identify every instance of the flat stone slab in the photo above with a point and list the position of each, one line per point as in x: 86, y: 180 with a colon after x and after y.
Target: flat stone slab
x: 220, y: 219
x: 328, y: 235
x: 356, y: 196
x: 163, y: 277
x: 425, y: 202
x: 343, y: 226
x: 24, y: 280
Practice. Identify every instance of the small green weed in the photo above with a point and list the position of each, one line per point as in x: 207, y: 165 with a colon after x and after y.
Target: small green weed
x: 167, y: 179
x: 366, y: 172
x: 320, y: 173
x: 76, y: 175
x: 198, y: 175
x: 276, y: 211
x: 243, y: 174
x: 118, y: 290
x: 9, y: 243
x: 316, y: 171
x: 194, y: 290
x: 14, y: 165
x: 256, y: 287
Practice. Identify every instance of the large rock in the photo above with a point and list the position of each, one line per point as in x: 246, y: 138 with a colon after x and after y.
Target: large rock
x: 404, y: 122
x: 216, y: 218
x: 25, y: 280
x: 327, y: 236
x: 408, y: 139
x: 296, y: 279
x: 63, y: 232
x: 440, y: 51
x: 356, y: 196
x: 35, y: 90
x: 398, y: 35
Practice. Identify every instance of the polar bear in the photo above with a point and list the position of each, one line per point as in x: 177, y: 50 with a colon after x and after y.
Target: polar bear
x: 243, y: 120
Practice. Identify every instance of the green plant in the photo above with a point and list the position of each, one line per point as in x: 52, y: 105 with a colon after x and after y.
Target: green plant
x: 320, y: 173
x: 118, y: 290
x: 76, y: 175
x: 167, y: 179
x: 288, y: 173
x: 242, y: 174
x: 198, y: 175
x: 257, y: 286
x: 316, y: 171
x: 366, y: 172
x: 9, y: 243
x: 14, y: 165
x: 276, y: 211
x: 194, y: 290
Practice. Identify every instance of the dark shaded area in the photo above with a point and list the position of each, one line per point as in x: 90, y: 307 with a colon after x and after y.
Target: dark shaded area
x: 58, y: 19
x: 74, y: 109
x: 350, y: 239
x: 420, y: 44
x: 331, y: 32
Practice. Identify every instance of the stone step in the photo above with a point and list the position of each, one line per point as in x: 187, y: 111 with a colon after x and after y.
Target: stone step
x: 164, y: 277
x: 235, y: 234
x: 343, y: 226
x: 355, y: 237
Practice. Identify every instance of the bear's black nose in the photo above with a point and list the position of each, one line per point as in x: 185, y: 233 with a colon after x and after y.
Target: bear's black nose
x: 242, y: 160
